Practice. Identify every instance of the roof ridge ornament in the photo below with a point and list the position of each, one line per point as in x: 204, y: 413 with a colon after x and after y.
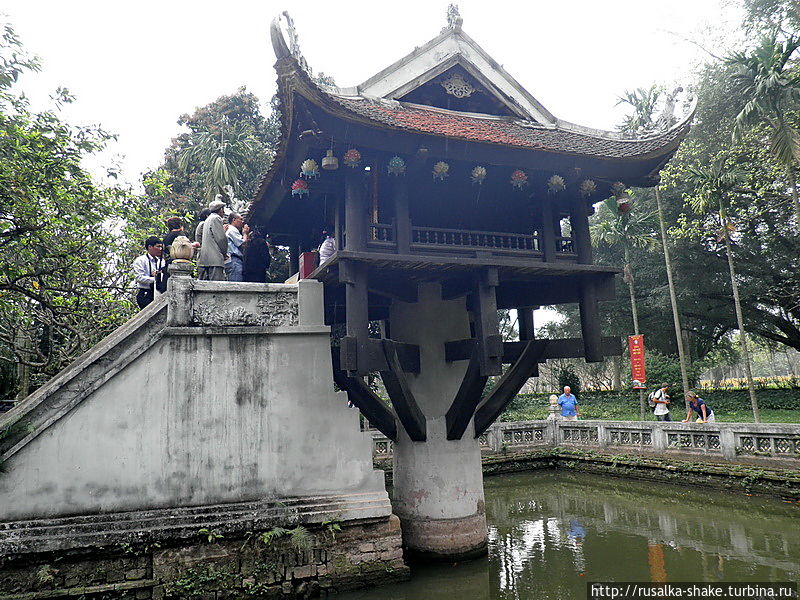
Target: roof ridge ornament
x: 454, y: 19
x: 286, y: 41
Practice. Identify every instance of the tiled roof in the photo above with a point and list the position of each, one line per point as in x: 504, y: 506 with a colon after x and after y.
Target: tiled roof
x: 508, y: 132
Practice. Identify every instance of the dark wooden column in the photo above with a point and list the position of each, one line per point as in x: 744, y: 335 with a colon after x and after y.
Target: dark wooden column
x: 337, y: 223
x: 355, y: 210
x: 402, y: 217
x: 590, y: 321
x: 579, y: 218
x: 354, y: 350
x: 525, y: 323
x: 487, y: 328
x: 548, y: 232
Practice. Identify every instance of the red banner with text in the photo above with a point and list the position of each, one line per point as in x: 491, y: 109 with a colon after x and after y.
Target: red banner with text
x: 636, y: 348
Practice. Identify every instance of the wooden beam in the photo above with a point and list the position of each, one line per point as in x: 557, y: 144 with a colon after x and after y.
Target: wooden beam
x: 548, y: 232
x: 508, y: 387
x: 355, y: 360
x: 555, y: 348
x: 590, y: 321
x: 405, y: 405
x: 402, y: 216
x: 525, y: 323
x: 467, y: 398
x: 579, y: 218
x: 370, y: 405
x: 487, y: 328
x: 355, y: 210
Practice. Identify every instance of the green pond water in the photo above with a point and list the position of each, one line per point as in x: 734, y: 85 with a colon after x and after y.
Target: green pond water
x: 550, y: 533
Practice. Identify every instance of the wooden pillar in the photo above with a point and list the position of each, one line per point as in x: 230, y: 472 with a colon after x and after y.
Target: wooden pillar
x: 355, y: 210
x: 337, y: 223
x: 590, y: 321
x: 402, y: 216
x: 487, y: 328
x: 579, y: 218
x: 525, y: 323
x: 548, y: 231
x: 354, y: 350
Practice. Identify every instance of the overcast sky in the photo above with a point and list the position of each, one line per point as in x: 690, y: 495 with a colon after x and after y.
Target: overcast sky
x: 136, y: 66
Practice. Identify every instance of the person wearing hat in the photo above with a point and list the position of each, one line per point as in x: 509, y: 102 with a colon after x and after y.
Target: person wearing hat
x: 214, y: 249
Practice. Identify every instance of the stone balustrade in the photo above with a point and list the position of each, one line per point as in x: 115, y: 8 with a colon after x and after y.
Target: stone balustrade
x: 729, y: 441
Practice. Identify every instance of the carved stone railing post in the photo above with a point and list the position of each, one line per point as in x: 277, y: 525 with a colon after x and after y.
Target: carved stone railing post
x: 179, y: 287
x: 659, y: 437
x: 727, y: 442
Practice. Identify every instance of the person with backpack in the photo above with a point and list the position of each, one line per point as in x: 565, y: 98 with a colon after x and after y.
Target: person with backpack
x: 659, y: 401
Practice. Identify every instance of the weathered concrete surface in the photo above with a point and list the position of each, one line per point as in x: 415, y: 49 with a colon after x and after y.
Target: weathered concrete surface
x: 438, y: 484
x: 237, y: 405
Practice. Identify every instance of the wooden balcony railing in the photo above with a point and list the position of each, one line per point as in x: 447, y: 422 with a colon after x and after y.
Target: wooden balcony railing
x: 381, y: 232
x: 458, y: 238
x: 565, y: 245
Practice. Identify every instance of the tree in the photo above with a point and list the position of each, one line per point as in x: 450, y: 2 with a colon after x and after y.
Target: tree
x: 58, y: 292
x: 770, y: 87
x: 712, y: 185
x: 643, y: 107
x: 630, y: 230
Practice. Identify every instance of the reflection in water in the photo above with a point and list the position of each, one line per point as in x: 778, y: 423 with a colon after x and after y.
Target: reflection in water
x: 550, y: 533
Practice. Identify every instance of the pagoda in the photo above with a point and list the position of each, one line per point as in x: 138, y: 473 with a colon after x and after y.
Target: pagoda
x: 451, y: 193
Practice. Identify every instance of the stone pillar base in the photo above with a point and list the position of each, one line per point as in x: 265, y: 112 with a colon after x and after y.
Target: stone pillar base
x: 445, y: 539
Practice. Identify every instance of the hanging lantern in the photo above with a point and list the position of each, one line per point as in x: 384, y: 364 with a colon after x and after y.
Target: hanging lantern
x: 624, y: 203
x: 478, y: 174
x: 300, y: 188
x: 330, y: 162
x: 440, y: 170
x: 588, y: 188
x: 556, y: 184
x: 352, y: 158
x: 396, y: 166
x: 519, y: 179
x: 309, y: 169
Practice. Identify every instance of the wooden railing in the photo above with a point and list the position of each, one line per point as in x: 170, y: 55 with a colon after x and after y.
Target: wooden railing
x: 460, y: 238
x: 381, y: 232
x: 565, y: 245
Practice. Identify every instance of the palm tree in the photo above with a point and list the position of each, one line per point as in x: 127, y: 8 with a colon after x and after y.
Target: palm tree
x: 631, y: 231
x: 712, y: 185
x: 644, y: 109
x: 220, y: 152
x: 771, y: 86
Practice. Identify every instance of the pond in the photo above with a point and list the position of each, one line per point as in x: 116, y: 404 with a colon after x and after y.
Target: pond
x: 551, y: 532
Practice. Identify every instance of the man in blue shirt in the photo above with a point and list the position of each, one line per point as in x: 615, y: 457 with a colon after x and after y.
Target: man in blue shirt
x: 569, y: 405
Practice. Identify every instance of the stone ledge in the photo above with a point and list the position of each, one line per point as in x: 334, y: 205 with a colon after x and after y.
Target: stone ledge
x: 71, y: 533
x: 81, y: 591
x: 249, y: 330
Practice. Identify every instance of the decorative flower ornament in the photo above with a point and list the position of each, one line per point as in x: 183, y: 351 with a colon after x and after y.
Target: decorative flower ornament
x: 396, y: 166
x: 309, y: 169
x: 588, y: 188
x: 478, y: 174
x: 300, y: 188
x: 352, y: 158
x: 519, y: 179
x: 556, y: 184
x: 440, y: 170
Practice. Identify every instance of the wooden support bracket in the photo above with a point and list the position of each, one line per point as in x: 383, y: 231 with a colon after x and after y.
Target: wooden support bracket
x: 508, y: 387
x: 370, y: 405
x: 467, y: 398
x: 405, y: 405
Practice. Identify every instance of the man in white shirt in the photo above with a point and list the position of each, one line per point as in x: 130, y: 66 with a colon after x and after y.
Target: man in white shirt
x: 145, y: 269
x: 235, y: 263
x: 661, y: 400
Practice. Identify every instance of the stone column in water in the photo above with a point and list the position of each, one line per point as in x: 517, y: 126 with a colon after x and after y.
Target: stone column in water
x: 438, y: 484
